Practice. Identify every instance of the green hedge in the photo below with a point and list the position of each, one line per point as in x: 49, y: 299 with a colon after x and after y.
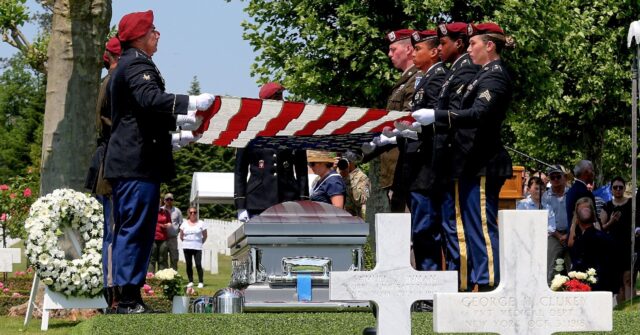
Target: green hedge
x: 625, y: 322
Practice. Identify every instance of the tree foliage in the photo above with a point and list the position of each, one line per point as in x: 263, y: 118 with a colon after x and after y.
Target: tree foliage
x: 21, y: 114
x: 13, y: 15
x: 570, y: 67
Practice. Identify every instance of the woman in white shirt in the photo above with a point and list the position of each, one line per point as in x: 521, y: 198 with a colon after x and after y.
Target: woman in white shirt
x: 193, y: 235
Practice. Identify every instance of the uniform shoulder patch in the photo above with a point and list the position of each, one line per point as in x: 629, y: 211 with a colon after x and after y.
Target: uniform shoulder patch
x: 496, y: 67
x: 486, y: 95
x: 146, y: 77
x: 440, y: 69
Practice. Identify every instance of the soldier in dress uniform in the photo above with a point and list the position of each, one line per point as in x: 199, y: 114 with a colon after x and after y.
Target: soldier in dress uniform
x: 415, y: 156
x: 453, y: 50
x: 139, y: 153
x: 276, y: 175
x: 383, y: 169
x: 479, y: 163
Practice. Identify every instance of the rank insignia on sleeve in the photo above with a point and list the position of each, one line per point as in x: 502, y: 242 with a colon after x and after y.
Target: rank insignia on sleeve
x: 460, y: 89
x: 485, y: 95
x: 146, y: 77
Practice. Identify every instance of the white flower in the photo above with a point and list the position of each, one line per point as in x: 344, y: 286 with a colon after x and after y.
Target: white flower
x: 572, y: 274
x: 591, y: 272
x: 581, y: 275
x: 558, y: 268
x: 559, y: 261
x: 558, y: 281
x: 592, y: 280
x: 60, y: 210
x: 166, y: 274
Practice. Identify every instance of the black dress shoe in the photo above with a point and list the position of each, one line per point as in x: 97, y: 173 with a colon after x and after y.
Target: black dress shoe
x: 370, y: 331
x: 135, y: 308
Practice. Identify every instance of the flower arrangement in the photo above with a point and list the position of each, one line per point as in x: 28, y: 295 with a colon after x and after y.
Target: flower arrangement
x: 48, y: 218
x: 172, y: 283
x: 575, y: 282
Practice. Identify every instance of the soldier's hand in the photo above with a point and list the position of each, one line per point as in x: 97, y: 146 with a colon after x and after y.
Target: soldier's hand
x: 189, y: 121
x: 200, y: 102
x: 183, y: 138
x: 368, y: 147
x: 243, y: 215
x: 404, y: 125
x: 384, y: 140
x: 425, y: 116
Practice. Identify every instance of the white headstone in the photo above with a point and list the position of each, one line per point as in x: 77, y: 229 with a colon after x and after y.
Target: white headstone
x: 393, y: 284
x: 522, y: 303
x: 8, y: 257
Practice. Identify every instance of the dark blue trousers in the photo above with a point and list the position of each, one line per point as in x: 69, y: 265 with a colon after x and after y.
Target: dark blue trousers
x: 135, y: 215
x: 106, y: 238
x: 476, y: 209
x: 426, y: 233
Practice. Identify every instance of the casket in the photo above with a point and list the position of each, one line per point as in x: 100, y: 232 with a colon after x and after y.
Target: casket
x: 283, y: 258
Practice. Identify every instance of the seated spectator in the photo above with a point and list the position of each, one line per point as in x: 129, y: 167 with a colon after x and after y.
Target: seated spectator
x: 616, y: 221
x: 592, y: 248
x: 328, y: 186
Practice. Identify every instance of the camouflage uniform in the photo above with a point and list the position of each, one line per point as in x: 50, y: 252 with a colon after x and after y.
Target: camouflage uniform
x: 358, y: 187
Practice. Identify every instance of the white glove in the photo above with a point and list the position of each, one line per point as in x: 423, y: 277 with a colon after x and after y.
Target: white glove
x: 200, y: 102
x: 409, y: 134
x: 425, y: 116
x: 183, y: 138
x: 243, y: 215
x: 403, y: 125
x: 368, y: 147
x: 189, y: 121
x: 389, y: 132
x: 384, y: 140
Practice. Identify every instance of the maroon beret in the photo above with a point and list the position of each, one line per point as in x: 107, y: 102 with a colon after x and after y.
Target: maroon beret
x: 421, y: 36
x: 112, y: 46
x: 398, y: 35
x: 268, y: 90
x: 484, y: 28
x: 135, y: 25
x: 447, y: 29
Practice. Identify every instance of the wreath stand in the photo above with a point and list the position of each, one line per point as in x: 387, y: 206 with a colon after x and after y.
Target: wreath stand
x: 54, y: 300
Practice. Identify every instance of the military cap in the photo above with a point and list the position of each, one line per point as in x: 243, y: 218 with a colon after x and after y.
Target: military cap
x: 135, y: 25
x: 317, y: 156
x: 484, y: 28
x: 421, y: 36
x: 398, y: 35
x: 268, y: 90
x: 453, y: 28
x: 112, y: 46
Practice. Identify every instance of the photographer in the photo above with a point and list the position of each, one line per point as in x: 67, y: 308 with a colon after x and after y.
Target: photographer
x: 357, y: 184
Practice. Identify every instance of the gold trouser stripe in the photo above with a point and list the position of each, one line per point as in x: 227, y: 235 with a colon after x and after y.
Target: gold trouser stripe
x: 462, y: 243
x: 485, y: 229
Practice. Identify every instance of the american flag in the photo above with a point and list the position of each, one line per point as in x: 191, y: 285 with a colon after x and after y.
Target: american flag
x: 241, y: 122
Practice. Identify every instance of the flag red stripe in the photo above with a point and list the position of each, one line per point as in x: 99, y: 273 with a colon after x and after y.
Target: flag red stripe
x: 249, y: 108
x: 330, y: 113
x: 370, y: 115
x: 379, y: 128
x: 290, y: 111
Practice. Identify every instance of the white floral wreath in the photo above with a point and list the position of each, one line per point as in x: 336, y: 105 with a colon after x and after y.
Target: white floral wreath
x: 49, y: 216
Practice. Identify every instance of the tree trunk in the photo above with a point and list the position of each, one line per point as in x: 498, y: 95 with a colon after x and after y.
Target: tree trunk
x: 78, y: 35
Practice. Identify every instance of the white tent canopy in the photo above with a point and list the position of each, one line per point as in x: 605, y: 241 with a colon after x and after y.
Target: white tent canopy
x: 212, y: 188
x: 215, y: 187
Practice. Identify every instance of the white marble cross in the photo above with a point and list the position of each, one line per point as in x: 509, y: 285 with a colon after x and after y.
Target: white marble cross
x: 522, y: 303
x: 9, y: 256
x: 393, y: 284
